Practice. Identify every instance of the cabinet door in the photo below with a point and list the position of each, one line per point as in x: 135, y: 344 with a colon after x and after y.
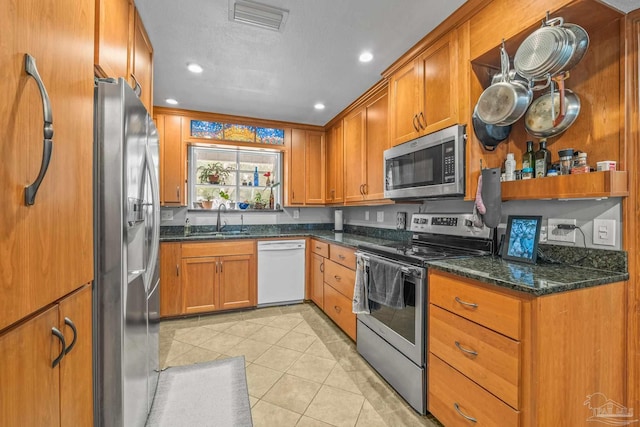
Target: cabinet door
x: 47, y: 248
x: 314, y: 168
x: 76, y: 369
x: 317, y: 280
x: 296, y: 167
x: 142, y: 63
x: 199, y: 284
x: 170, y: 286
x: 377, y: 141
x: 112, y: 37
x: 237, y: 281
x: 404, y: 103
x: 439, y: 95
x: 335, y: 165
x: 172, y: 161
x: 29, y: 395
x: 354, y: 156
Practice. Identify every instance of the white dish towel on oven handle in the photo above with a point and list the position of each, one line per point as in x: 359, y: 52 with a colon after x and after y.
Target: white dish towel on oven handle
x: 360, y: 289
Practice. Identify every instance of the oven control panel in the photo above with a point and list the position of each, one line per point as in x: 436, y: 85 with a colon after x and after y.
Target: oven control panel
x: 451, y: 224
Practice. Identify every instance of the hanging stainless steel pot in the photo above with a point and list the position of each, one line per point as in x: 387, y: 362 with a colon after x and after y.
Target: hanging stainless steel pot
x: 544, y: 117
x: 504, y: 102
x: 547, y: 51
x: 582, y: 44
x: 488, y: 135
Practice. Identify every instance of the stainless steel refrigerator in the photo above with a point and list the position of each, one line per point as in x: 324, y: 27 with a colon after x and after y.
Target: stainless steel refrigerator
x: 127, y: 225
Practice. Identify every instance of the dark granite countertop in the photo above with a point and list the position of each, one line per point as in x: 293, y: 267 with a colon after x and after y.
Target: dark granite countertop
x: 538, y: 279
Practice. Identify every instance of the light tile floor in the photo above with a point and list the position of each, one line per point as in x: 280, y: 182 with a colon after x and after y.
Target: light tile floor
x: 301, y: 369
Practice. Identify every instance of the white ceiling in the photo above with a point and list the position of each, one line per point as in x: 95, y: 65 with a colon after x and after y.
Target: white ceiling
x: 249, y: 71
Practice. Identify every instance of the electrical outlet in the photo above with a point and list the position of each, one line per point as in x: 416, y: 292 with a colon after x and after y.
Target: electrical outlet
x: 401, y: 220
x: 560, y: 235
x: 604, y: 232
x: 296, y: 214
x: 543, y: 234
x: 366, y: 215
x: 380, y: 216
x: 166, y: 215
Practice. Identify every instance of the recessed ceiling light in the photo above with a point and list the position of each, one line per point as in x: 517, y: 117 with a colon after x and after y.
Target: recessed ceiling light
x: 194, y: 68
x: 365, y: 57
x: 319, y: 106
x: 171, y: 101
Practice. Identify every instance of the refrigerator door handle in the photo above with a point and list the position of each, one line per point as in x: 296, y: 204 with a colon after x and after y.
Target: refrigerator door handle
x: 155, y: 230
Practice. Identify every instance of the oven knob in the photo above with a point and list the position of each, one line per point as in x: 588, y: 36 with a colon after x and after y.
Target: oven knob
x: 468, y: 223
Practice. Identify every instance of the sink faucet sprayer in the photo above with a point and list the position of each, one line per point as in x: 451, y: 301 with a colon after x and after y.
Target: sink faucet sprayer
x: 218, y: 226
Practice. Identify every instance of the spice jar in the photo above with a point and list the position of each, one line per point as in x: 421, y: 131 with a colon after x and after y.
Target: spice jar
x: 581, y: 165
x: 566, y: 161
x: 527, y: 173
x: 552, y: 172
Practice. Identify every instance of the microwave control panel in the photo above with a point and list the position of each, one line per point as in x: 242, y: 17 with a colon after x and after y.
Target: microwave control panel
x: 449, y: 162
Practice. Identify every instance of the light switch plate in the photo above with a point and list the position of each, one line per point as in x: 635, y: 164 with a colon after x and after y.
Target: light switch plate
x: 366, y: 215
x: 604, y: 232
x: 380, y: 216
x: 296, y: 213
x: 166, y: 215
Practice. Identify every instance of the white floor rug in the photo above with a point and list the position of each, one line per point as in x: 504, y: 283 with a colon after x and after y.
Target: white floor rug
x: 211, y: 394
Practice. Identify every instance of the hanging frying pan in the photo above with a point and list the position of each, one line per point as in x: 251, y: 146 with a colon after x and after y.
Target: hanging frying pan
x: 545, y: 116
x: 489, y: 135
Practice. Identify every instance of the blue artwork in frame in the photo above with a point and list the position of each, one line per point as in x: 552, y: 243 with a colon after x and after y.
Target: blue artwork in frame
x: 270, y: 136
x: 204, y: 129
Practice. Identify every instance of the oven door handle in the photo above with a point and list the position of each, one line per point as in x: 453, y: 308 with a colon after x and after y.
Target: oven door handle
x: 407, y: 270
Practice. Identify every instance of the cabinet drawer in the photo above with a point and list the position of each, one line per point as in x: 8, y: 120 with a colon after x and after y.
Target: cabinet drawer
x: 489, y: 308
x: 338, y: 308
x: 496, y: 366
x: 449, y: 389
x: 234, y: 247
x: 343, y: 255
x: 341, y: 278
x: 320, y: 248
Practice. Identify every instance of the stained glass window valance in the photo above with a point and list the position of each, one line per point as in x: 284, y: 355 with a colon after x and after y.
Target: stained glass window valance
x: 234, y: 132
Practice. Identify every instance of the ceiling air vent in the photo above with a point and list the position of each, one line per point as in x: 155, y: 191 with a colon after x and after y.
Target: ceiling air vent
x: 258, y: 14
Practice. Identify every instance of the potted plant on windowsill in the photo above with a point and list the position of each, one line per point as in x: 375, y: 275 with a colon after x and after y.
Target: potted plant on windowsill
x: 226, y: 199
x: 207, y: 203
x: 213, y: 173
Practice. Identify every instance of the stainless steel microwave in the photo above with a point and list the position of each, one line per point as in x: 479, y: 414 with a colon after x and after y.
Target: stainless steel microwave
x: 431, y: 166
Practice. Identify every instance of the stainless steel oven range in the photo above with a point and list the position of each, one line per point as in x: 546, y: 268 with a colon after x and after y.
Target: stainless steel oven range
x: 392, y: 338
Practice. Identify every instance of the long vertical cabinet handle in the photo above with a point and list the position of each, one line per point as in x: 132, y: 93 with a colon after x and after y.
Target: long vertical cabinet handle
x: 155, y: 230
x: 137, y: 88
x: 416, y: 125
x: 422, y: 120
x: 31, y: 190
x: 70, y: 324
x: 56, y: 332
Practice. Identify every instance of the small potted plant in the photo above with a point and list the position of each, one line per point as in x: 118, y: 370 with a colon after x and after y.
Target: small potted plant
x: 226, y: 197
x: 207, y: 203
x: 213, y: 173
x: 258, y: 201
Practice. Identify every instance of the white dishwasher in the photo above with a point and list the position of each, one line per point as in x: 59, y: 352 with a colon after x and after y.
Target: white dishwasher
x: 281, y: 272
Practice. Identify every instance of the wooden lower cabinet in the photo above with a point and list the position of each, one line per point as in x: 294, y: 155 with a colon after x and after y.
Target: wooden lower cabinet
x: 35, y: 393
x: 207, y: 276
x: 331, y: 280
x: 508, y: 358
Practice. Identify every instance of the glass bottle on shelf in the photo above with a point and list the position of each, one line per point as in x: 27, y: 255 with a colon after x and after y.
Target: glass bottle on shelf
x: 542, y: 160
x: 256, y: 181
x: 527, y: 157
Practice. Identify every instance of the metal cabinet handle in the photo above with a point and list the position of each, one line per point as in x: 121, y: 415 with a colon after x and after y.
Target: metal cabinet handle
x: 361, y: 190
x: 337, y: 309
x: 461, y: 348
x: 337, y: 277
x: 341, y: 256
x: 421, y: 116
x: 178, y: 191
x: 469, y: 304
x: 221, y: 264
x: 56, y: 332
x: 322, y: 268
x: 415, y: 123
x: 365, y: 189
x: 137, y: 88
x: 457, y: 408
x: 47, y: 147
x: 72, y: 325
x: 177, y: 270
x: 318, y: 247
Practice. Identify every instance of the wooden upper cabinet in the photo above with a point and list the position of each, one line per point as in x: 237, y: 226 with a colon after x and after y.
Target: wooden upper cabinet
x: 141, y: 69
x: 172, y: 161
x: 423, y: 93
x: 335, y: 164
x: 307, y: 167
x: 297, y: 167
x: 365, y: 139
x: 438, y: 67
x: 314, y: 168
x: 47, y: 247
x: 112, y: 35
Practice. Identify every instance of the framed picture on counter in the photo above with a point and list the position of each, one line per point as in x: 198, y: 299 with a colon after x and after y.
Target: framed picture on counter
x: 521, y: 238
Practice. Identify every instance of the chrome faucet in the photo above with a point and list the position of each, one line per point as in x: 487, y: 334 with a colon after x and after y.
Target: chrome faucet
x: 218, y: 226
